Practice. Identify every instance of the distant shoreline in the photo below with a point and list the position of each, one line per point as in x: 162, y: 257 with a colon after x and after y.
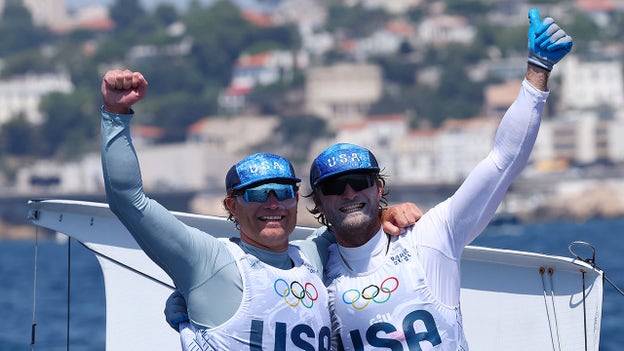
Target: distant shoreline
x: 528, y: 200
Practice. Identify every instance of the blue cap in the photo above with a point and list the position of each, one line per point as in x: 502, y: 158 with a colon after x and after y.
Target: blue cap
x: 260, y: 168
x: 342, y: 158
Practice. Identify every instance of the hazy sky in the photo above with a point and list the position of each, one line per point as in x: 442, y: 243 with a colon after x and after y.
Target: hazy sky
x: 74, y: 4
x: 259, y: 5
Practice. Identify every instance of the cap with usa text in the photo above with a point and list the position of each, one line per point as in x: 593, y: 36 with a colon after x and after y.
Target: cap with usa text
x: 342, y: 158
x: 260, y: 168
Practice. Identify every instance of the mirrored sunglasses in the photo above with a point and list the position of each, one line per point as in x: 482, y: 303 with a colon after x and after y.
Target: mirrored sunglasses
x: 357, y: 181
x: 261, y: 193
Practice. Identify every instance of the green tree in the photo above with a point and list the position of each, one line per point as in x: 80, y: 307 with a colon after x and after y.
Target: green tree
x: 220, y: 35
x: 459, y: 96
x: 17, y: 31
x: 354, y: 21
x: 74, y: 55
x: 125, y: 13
x: 398, y: 70
x: 18, y: 137
x: 30, y: 61
x: 70, y: 125
x: 282, y: 37
x: 456, y: 96
x: 112, y: 50
x: 468, y: 8
x: 166, y: 14
x: 507, y: 40
x: 178, y: 95
x: 585, y: 31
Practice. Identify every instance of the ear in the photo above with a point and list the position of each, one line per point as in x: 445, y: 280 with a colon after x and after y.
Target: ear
x: 379, y: 189
x: 231, y: 204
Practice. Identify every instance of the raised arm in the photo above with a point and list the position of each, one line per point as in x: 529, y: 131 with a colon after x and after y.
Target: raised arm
x: 450, y: 226
x: 174, y: 246
x: 475, y: 203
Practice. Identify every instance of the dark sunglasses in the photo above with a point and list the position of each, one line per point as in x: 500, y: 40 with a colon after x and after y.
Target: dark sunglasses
x: 261, y: 193
x: 357, y: 181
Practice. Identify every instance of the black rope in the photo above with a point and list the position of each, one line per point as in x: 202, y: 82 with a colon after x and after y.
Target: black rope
x: 542, y: 270
x: 592, y: 262
x: 613, y: 285
x: 156, y: 280
x: 584, y: 309
x: 68, y: 289
x: 552, y: 298
x: 34, y: 314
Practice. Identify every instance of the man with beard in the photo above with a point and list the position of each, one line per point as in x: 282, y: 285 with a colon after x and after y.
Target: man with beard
x: 403, y: 292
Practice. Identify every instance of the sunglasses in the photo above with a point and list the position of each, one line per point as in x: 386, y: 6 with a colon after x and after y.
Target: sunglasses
x: 261, y: 193
x: 357, y: 181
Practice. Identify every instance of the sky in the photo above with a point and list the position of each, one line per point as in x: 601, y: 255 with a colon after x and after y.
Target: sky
x: 148, y: 4
x: 180, y: 4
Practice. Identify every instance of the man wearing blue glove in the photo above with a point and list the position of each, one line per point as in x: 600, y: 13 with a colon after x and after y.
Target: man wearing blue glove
x: 403, y: 292
x: 548, y: 43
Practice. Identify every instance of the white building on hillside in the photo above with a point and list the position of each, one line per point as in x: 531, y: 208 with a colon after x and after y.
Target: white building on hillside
x: 343, y: 93
x: 445, y: 29
x: 587, y: 85
x: 461, y: 145
x: 23, y: 94
x: 581, y: 137
x: 416, y: 158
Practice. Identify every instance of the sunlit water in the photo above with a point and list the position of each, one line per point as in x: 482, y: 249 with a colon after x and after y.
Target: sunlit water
x: 86, y: 309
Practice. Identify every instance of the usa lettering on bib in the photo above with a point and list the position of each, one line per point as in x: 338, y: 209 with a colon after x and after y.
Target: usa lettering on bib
x: 390, y: 307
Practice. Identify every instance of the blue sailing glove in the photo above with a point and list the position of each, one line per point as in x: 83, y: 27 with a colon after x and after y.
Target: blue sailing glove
x: 547, y: 42
x: 175, y: 310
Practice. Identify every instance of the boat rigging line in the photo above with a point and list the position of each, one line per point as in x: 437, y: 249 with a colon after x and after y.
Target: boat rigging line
x: 69, y: 244
x: 35, y: 215
x: 550, y: 271
x: 33, y: 325
x: 592, y: 261
x: 34, y: 309
x: 147, y: 276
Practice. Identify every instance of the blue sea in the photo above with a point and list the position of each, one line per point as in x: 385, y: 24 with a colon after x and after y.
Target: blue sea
x: 86, y: 295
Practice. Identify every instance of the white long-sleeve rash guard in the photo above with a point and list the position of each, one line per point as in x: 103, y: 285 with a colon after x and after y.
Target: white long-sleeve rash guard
x: 443, y: 232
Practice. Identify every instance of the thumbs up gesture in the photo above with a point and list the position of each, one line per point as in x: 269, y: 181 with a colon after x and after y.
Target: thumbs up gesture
x: 548, y: 43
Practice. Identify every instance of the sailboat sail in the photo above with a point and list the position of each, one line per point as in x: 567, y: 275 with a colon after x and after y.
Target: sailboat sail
x: 511, y: 300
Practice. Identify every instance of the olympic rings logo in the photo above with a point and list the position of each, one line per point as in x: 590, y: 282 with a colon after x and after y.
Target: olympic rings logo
x: 296, y: 293
x: 378, y: 294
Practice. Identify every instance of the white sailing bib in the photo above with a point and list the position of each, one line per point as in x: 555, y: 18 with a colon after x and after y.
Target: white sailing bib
x: 390, y: 307
x: 281, y: 310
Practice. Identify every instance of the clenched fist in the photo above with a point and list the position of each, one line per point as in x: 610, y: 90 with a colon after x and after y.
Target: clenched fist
x: 121, y: 89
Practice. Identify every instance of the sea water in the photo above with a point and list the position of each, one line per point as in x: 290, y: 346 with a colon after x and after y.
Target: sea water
x: 86, y: 293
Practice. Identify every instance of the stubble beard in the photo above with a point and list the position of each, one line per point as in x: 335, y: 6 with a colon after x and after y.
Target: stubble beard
x: 356, y: 229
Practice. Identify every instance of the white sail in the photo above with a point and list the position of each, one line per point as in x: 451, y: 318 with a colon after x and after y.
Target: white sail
x: 511, y: 300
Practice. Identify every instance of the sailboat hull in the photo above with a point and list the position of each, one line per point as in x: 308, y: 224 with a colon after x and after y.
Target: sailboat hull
x: 511, y: 300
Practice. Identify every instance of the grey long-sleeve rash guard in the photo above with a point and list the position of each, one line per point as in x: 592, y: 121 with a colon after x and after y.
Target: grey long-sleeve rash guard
x: 200, y: 265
